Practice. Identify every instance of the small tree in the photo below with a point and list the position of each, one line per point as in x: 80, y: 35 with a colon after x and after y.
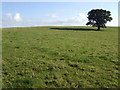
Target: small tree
x: 98, y: 18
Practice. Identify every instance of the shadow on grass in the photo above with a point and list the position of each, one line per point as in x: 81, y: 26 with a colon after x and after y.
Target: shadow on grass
x: 76, y: 29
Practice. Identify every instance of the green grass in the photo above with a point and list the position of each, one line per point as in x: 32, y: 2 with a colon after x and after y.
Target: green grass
x: 39, y: 57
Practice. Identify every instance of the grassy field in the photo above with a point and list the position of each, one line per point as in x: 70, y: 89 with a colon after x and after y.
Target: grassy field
x: 60, y: 57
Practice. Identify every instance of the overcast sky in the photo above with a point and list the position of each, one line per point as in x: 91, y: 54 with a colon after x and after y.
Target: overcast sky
x: 53, y: 13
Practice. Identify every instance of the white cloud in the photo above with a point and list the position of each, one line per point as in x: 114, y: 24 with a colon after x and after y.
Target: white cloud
x: 17, y: 17
x: 9, y: 15
x: 52, y: 15
x: 77, y: 20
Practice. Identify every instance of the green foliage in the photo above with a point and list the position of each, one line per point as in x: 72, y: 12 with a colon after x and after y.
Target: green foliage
x: 98, y: 18
x: 40, y: 57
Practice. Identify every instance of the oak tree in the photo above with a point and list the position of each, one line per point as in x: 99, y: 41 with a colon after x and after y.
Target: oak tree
x: 98, y: 18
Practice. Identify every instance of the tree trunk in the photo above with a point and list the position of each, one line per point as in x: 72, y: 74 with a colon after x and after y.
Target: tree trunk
x: 98, y: 28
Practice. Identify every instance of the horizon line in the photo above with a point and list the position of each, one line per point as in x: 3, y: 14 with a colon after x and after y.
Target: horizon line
x: 49, y: 26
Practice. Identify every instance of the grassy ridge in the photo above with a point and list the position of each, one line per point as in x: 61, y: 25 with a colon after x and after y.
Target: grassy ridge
x: 45, y: 57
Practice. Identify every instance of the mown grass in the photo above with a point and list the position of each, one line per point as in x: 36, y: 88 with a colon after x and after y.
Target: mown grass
x: 39, y: 57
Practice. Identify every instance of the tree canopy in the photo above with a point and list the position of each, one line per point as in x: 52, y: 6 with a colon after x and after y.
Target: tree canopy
x: 98, y: 18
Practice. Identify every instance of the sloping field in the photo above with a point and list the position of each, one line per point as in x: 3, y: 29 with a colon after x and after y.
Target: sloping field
x: 60, y: 57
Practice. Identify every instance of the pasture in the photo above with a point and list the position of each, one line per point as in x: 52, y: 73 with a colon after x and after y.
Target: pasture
x: 60, y: 57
